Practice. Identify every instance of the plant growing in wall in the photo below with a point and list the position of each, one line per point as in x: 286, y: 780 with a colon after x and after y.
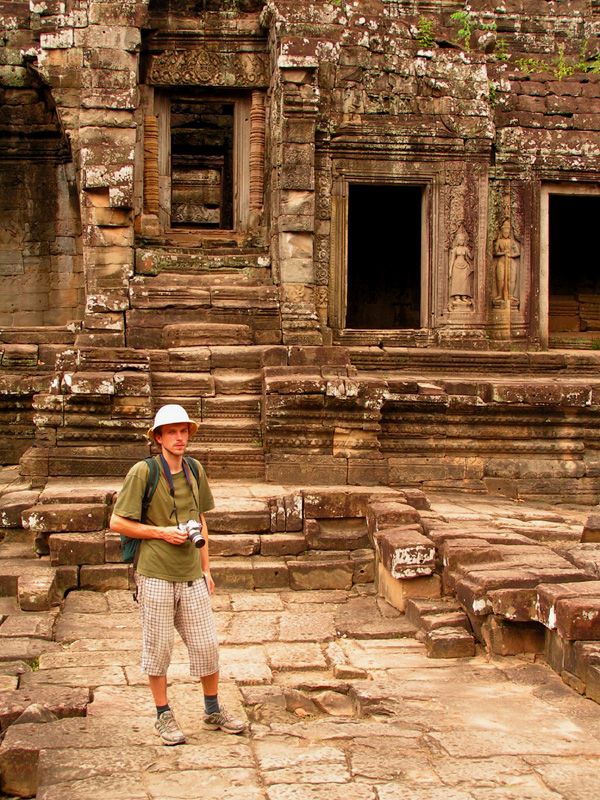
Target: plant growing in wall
x: 469, y: 23
x: 425, y: 36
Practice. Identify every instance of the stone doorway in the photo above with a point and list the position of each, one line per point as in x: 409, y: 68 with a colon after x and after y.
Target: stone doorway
x: 570, y: 279
x: 384, y: 256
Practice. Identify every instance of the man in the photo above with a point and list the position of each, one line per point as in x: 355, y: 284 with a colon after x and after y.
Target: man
x: 172, y: 575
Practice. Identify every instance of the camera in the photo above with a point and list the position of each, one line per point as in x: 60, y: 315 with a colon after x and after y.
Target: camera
x: 194, y: 532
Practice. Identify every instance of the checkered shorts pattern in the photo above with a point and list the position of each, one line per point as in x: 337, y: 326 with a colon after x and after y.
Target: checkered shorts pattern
x: 166, y: 606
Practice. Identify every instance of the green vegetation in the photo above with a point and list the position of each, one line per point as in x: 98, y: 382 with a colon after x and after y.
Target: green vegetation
x: 469, y: 23
x: 425, y: 35
x: 564, y: 66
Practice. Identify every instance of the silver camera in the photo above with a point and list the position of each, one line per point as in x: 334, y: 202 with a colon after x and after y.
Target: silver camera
x: 194, y: 532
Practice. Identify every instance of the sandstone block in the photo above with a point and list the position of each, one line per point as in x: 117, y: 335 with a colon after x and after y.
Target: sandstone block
x: 405, y: 554
x: 514, y: 604
x: 397, y: 591
x: 381, y: 515
x: 13, y: 504
x: 506, y: 638
x: 548, y: 596
x: 104, y: 577
x: 591, y: 529
x: 58, y: 700
x: 234, y: 545
x: 282, y: 544
x: 327, y: 574
x: 76, y: 548
x: 449, y: 642
x: 325, y: 504
x: 206, y: 333
x: 76, y: 517
x: 578, y: 618
x: 364, y: 566
x: 270, y: 574
x: 232, y: 573
x: 336, y: 534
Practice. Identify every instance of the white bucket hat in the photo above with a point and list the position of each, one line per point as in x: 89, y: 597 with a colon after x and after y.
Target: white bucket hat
x: 167, y: 415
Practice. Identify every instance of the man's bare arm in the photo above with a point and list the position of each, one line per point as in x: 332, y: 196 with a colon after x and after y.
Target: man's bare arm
x: 138, y: 530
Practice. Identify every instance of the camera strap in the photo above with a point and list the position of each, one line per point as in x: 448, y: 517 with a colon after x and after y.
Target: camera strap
x: 169, y: 478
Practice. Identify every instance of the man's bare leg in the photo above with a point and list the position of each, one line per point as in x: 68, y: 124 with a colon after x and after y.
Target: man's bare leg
x: 158, y: 687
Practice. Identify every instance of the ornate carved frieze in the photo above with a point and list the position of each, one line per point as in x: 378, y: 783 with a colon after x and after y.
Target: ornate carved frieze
x: 204, y: 68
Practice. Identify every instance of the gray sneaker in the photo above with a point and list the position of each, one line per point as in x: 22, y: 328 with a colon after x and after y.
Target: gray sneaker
x: 225, y: 721
x: 167, y: 728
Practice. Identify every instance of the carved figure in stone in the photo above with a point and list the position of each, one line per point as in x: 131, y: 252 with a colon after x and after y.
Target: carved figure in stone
x: 506, y: 254
x: 460, y: 271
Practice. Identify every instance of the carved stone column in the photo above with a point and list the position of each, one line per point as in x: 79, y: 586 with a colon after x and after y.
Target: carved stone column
x: 257, y: 154
x: 151, y: 165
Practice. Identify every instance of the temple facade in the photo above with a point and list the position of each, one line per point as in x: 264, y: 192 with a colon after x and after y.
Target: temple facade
x: 354, y: 239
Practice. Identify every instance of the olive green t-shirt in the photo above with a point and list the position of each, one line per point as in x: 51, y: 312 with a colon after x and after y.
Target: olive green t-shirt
x: 157, y: 558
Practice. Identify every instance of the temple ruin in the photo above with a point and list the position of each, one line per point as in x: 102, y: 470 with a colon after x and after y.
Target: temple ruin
x: 354, y: 239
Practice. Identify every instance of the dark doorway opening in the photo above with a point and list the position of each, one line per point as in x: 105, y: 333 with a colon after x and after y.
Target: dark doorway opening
x: 573, y: 271
x: 384, y: 257
x: 201, y: 162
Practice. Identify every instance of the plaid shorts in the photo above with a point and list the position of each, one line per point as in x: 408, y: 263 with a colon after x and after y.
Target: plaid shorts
x: 166, y: 606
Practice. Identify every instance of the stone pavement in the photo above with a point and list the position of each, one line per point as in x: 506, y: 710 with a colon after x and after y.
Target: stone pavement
x: 341, y: 700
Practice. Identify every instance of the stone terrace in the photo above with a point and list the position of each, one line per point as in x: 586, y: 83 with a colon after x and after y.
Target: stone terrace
x: 344, y: 680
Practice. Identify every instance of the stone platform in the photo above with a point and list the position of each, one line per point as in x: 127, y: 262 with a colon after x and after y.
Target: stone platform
x: 377, y: 690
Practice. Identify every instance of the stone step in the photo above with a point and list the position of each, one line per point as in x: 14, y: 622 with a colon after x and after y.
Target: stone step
x: 37, y: 586
x: 311, y: 570
x: 54, y: 517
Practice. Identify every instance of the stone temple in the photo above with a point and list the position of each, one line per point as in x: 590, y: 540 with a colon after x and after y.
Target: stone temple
x: 355, y: 239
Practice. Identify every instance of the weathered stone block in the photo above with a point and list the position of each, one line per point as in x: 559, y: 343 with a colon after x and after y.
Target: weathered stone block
x: 398, y: 591
x: 13, y: 504
x: 517, y: 604
x: 104, y: 577
x: 405, y: 554
x: 382, y: 515
x: 591, y: 529
x: 364, y: 566
x: 336, y: 534
x: 76, y: 517
x: 76, y: 548
x: 506, y: 638
x: 234, y: 545
x: 282, y: 544
x: 232, y: 573
x: 270, y: 574
x: 332, y: 503
x: 578, y: 618
x: 314, y: 574
x: 449, y: 642
x: 60, y: 701
x: 548, y: 596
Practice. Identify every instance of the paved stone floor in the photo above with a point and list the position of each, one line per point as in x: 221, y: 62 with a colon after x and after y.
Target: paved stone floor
x: 340, y: 698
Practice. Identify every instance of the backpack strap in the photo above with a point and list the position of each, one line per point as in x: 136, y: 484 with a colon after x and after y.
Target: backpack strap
x: 150, y: 485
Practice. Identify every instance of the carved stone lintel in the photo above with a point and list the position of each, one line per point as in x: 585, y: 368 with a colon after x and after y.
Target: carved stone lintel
x: 201, y: 67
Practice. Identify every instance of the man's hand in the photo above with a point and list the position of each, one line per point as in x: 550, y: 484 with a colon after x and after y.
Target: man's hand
x: 173, y: 535
x: 209, y: 582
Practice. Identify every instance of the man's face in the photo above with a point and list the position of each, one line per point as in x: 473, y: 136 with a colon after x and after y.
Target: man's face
x: 173, y: 438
